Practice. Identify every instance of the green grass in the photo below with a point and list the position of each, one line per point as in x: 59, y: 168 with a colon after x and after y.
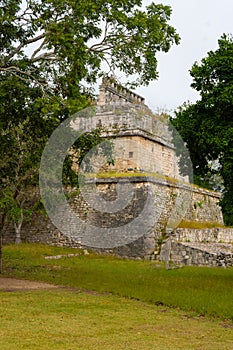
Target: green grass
x: 204, y: 291
x: 199, y: 225
x: 69, y: 320
x: 114, y: 174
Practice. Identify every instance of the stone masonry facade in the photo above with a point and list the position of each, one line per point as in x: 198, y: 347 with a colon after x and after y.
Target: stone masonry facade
x: 147, y: 246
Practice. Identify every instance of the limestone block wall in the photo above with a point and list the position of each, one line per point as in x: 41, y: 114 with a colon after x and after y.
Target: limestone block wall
x: 201, y: 255
x: 142, y: 140
x: 202, y: 247
x: 169, y: 203
x: 141, y: 154
x: 204, y: 207
x: 210, y: 235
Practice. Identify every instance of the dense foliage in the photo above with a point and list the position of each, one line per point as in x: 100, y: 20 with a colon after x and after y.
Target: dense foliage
x: 207, y: 125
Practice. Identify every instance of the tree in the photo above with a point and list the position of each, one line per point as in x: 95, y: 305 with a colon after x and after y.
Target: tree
x: 20, y: 157
x: 65, y: 42
x: 51, y: 53
x: 207, y: 125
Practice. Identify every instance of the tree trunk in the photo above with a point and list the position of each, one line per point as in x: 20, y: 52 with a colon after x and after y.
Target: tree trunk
x: 17, y: 237
x: 3, y: 219
x: 18, y: 231
x: 18, y: 226
x: 1, y: 252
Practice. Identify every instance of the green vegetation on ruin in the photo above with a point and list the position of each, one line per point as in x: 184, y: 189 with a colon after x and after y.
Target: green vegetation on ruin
x: 118, y: 174
x: 199, y: 225
x: 121, y: 174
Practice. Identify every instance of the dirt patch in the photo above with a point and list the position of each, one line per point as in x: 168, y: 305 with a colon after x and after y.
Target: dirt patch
x: 13, y: 284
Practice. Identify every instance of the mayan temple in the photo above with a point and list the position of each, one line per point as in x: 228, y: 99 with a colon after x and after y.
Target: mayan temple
x: 150, y: 210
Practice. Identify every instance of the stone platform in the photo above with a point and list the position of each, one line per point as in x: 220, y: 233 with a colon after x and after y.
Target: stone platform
x: 206, y: 247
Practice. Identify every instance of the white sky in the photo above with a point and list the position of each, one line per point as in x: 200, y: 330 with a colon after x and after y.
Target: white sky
x: 200, y: 23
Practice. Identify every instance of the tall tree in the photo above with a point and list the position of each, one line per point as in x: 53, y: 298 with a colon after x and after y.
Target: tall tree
x: 207, y: 125
x: 58, y: 44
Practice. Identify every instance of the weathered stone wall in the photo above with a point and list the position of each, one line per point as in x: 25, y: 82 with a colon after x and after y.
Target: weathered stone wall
x: 204, y: 207
x: 210, y: 235
x: 161, y: 216
x: 202, y: 247
x: 137, y: 153
x: 201, y: 254
x: 142, y: 140
x: 112, y: 92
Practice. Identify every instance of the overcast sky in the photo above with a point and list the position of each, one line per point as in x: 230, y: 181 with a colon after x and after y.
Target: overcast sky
x: 200, y: 23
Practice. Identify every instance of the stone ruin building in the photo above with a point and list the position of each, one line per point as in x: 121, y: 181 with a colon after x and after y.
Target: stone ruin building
x: 159, y: 220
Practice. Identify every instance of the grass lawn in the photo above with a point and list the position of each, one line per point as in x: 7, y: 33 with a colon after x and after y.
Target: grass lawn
x: 202, y: 291
x: 71, y: 320
x: 136, y: 304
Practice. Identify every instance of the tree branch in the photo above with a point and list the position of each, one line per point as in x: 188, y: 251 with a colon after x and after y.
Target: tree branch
x: 103, y: 40
x: 37, y: 50
x: 45, y: 56
x: 111, y: 70
x: 100, y: 47
x: 20, y: 46
x: 29, y: 77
